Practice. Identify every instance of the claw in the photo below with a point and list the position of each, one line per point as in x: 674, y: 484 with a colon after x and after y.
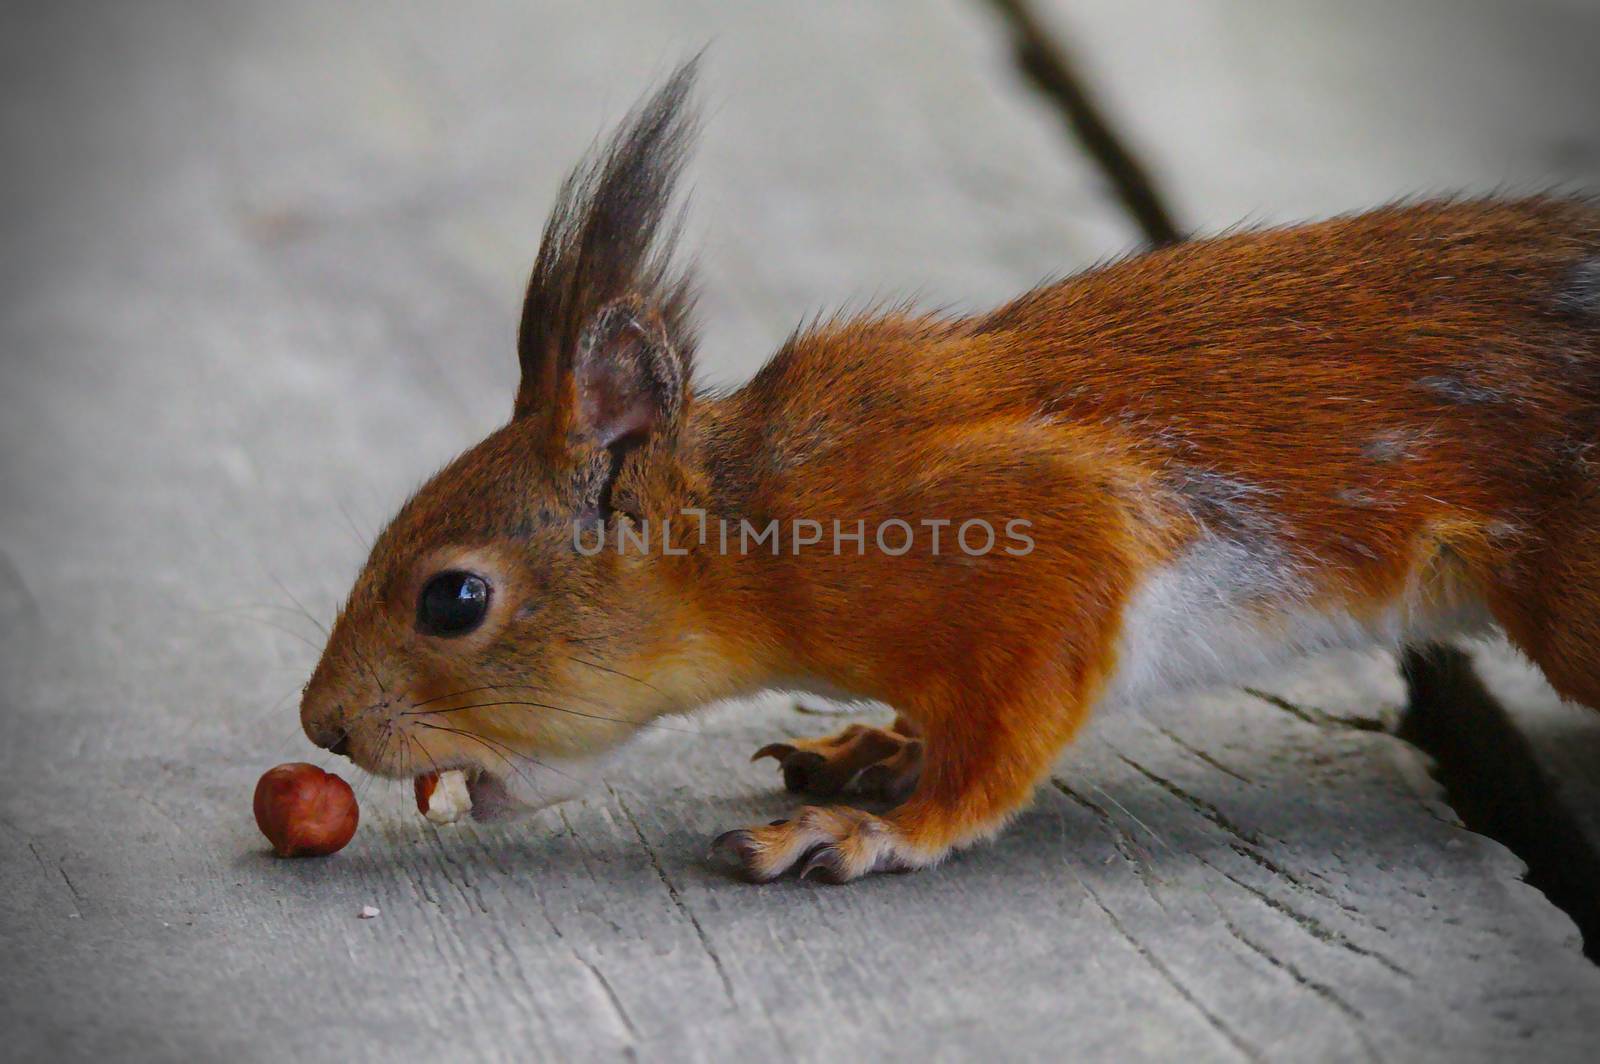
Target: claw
x: 824, y: 861
x: 736, y: 840
x: 831, y: 844
x: 773, y: 750
x: 873, y: 778
x: 742, y: 844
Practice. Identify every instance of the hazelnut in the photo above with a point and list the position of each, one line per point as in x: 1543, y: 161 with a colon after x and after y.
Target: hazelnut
x: 423, y: 787
x: 443, y: 797
x: 304, y: 811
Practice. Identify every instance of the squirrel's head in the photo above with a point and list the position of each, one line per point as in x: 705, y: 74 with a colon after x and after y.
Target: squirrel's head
x: 481, y: 633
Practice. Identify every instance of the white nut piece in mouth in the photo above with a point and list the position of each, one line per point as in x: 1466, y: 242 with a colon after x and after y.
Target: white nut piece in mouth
x: 442, y: 797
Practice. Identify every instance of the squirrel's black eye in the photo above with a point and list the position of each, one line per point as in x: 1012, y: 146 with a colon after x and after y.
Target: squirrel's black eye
x: 452, y: 603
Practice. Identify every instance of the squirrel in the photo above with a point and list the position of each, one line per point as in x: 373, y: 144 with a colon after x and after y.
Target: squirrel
x: 1173, y: 470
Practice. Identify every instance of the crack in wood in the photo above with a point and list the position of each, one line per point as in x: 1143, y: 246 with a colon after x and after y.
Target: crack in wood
x: 610, y: 995
x: 1124, y: 844
x: 1310, y: 924
x: 1257, y: 857
x: 677, y: 899
x: 1357, y: 1020
x: 1170, y: 977
x: 61, y: 870
x: 1248, y: 846
x: 1317, y: 717
x: 1199, y: 805
x: 445, y: 863
x: 1043, y: 60
x: 1201, y: 755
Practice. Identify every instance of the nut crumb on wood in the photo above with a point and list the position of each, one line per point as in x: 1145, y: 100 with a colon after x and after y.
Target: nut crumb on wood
x: 368, y: 912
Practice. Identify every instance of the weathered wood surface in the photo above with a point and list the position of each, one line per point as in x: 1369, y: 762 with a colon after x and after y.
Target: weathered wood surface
x: 260, y: 274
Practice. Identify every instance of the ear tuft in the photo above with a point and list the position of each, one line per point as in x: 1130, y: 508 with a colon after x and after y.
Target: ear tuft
x: 605, y: 292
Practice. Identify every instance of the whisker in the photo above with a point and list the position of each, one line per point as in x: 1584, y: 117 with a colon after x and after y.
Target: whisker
x: 242, y: 607
x: 416, y: 744
x: 257, y: 717
x: 514, y: 753
x: 366, y: 662
x: 288, y: 742
x: 557, y: 709
x: 475, y: 690
x: 298, y: 604
x: 282, y: 628
x: 614, y: 672
x: 383, y: 748
x: 363, y: 541
x: 504, y: 753
x: 522, y: 702
x: 413, y: 743
x: 536, y: 688
x: 364, y: 787
x: 506, y: 687
x: 366, y: 783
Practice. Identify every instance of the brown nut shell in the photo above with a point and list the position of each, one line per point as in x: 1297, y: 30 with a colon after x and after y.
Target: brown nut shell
x: 304, y: 811
x: 423, y: 787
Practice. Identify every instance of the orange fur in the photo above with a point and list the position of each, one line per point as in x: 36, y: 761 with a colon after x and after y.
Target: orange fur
x: 1369, y: 425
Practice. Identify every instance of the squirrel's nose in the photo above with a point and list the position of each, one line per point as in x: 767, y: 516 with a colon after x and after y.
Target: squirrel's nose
x: 333, y: 740
x: 328, y: 734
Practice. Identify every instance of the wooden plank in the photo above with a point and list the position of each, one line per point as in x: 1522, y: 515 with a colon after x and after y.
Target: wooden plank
x: 265, y: 272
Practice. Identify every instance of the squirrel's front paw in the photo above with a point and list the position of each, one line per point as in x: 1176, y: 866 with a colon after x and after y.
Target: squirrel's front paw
x: 871, y: 761
x: 834, y: 845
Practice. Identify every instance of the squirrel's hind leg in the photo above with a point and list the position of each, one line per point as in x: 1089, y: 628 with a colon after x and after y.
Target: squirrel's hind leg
x: 1548, y: 599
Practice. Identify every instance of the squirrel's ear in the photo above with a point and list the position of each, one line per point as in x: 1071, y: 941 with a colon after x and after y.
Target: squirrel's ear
x: 630, y: 382
x: 606, y: 341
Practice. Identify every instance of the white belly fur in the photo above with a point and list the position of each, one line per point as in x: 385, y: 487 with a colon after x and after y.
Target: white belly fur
x: 1222, y: 615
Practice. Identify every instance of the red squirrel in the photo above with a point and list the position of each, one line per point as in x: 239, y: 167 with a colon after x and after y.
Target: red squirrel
x: 1183, y: 467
